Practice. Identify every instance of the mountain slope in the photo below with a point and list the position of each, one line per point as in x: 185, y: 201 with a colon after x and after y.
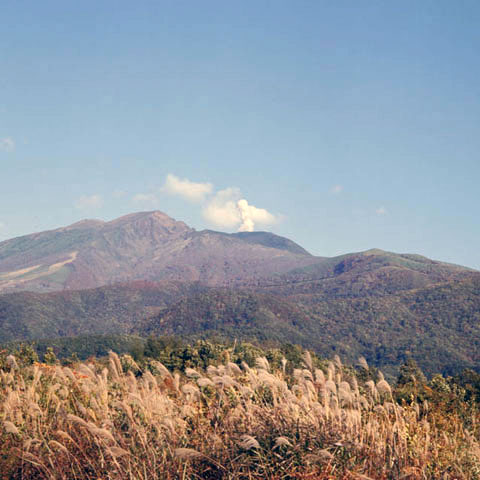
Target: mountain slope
x: 438, y: 325
x: 382, y: 305
x: 111, y: 309
x: 268, y: 239
x: 374, y: 272
x: 141, y: 246
x: 232, y: 314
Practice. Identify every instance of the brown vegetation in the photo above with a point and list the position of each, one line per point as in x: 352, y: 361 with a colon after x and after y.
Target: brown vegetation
x: 114, y: 420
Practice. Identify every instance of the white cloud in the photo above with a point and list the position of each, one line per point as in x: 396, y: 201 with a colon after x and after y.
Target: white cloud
x: 86, y: 202
x: 149, y: 198
x: 336, y: 189
x: 381, y: 211
x: 2, y: 225
x: 7, y: 144
x: 195, y: 192
x: 227, y: 209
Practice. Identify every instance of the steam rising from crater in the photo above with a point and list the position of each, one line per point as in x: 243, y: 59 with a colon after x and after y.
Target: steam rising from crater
x: 251, y: 214
x: 225, y: 208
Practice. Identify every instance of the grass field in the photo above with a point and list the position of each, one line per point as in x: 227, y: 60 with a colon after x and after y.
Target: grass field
x: 112, y: 419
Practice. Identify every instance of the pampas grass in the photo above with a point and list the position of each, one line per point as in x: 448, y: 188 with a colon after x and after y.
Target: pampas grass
x: 100, y: 420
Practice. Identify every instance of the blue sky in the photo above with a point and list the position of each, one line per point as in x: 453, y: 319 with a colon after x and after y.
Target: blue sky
x: 344, y: 125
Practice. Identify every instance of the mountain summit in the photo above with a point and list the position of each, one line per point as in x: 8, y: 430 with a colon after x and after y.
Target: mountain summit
x: 145, y: 245
x: 146, y: 273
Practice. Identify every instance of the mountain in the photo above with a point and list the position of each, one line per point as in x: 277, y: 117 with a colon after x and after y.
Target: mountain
x: 437, y: 325
x: 231, y: 314
x: 271, y: 240
x: 373, y: 272
x: 110, y: 309
x: 148, y: 274
x: 141, y: 246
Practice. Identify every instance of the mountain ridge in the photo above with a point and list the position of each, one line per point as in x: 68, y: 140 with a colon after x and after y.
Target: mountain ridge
x: 146, y: 273
x: 139, y: 246
x: 438, y: 325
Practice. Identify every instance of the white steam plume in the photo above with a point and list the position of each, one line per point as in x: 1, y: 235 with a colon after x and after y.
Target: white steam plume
x: 251, y: 215
x: 222, y: 209
x: 228, y: 210
x: 225, y: 209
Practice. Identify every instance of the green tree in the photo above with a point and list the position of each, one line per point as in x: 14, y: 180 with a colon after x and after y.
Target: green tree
x: 411, y: 383
x: 50, y: 358
x: 26, y: 354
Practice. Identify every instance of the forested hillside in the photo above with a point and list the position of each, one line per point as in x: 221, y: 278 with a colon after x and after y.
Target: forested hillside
x: 255, y: 286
